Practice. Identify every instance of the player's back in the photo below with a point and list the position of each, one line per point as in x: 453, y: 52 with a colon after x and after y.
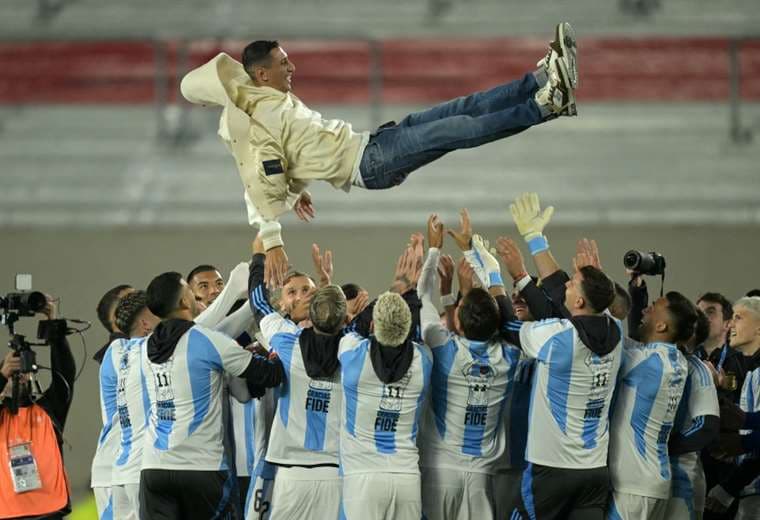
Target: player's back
x: 650, y: 386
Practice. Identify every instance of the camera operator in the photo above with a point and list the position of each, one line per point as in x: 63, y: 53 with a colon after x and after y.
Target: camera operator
x: 33, y: 481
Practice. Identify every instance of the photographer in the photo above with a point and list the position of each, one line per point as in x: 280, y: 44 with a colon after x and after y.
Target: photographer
x: 37, y: 486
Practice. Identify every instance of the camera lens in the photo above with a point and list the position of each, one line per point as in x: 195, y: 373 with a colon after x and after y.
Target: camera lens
x: 632, y: 259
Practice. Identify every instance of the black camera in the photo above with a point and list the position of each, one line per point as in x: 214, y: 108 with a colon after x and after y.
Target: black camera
x: 652, y: 264
x: 23, y: 303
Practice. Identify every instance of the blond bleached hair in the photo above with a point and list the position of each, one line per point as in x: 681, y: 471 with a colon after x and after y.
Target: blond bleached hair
x: 751, y: 303
x: 392, y: 319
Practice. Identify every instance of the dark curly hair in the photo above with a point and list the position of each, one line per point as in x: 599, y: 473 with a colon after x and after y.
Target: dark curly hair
x: 128, y: 309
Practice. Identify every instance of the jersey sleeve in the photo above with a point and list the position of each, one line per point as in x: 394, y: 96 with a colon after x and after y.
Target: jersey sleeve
x: 108, y: 382
x: 234, y: 359
x: 703, y: 398
x: 349, y: 342
x: 534, y: 335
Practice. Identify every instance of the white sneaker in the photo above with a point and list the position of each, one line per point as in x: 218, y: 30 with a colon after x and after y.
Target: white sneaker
x: 565, y: 50
x: 558, y: 95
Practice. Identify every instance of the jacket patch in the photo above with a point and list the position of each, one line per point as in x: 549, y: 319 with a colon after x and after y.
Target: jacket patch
x: 273, y: 167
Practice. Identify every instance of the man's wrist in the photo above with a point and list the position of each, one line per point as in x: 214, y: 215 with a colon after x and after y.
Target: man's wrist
x: 518, y: 276
x: 448, y: 300
x: 537, y: 243
x: 271, y: 234
x: 494, y: 279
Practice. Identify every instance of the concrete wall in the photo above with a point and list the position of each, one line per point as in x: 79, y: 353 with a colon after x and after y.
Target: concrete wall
x: 80, y: 266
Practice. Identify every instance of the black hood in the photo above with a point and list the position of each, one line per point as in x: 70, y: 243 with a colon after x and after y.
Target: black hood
x: 319, y: 353
x: 101, y: 353
x: 163, y: 341
x: 391, y: 363
x: 599, y: 333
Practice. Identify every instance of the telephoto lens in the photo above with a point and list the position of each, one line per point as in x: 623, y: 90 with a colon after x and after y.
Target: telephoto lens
x: 651, y: 263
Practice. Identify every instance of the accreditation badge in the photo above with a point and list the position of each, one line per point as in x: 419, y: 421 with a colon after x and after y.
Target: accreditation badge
x: 23, y: 468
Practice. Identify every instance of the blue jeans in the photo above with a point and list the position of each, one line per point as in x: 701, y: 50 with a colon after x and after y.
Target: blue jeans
x: 396, y: 150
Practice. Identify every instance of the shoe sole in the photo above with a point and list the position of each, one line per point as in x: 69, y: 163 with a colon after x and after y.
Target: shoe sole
x: 564, y: 77
x: 564, y: 38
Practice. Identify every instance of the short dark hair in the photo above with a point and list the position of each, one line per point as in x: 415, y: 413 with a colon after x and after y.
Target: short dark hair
x: 701, y: 328
x: 257, y: 53
x: 684, y: 316
x: 622, y: 300
x: 351, y: 290
x: 128, y: 309
x: 725, y: 304
x: 598, y: 289
x: 203, y: 268
x: 164, y: 292
x: 479, y: 315
x: 295, y: 274
x: 753, y: 292
x: 107, y: 303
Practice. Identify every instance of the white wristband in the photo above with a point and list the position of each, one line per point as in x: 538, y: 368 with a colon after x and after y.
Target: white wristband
x: 522, y: 282
x: 448, y: 300
x: 271, y: 236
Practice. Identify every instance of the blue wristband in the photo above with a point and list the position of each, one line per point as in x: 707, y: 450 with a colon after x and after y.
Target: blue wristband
x: 494, y: 279
x: 538, y: 244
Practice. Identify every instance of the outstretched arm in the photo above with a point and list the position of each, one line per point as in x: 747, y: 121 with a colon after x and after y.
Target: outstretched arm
x: 433, y: 333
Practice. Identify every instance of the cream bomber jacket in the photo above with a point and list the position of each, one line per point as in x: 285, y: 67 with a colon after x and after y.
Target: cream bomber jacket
x: 278, y: 143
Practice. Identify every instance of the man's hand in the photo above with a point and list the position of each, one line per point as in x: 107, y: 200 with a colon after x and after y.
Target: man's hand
x: 408, y: 268
x: 51, y: 307
x: 304, y: 208
x: 276, y: 267
x: 586, y: 254
x: 357, y: 305
x: 718, y: 500
x: 512, y: 257
x: 435, y: 231
x: 446, y: 274
x: 527, y: 215
x: 463, y: 237
x: 465, y: 274
x: 719, y: 376
x: 486, y: 266
x: 323, y: 265
x: 11, y: 364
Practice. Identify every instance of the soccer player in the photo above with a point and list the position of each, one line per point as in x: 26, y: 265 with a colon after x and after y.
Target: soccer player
x: 185, y: 472
x: 385, y: 379
x: 280, y: 145
x: 464, y: 433
x: 577, y: 362
x: 303, y: 442
x: 650, y: 386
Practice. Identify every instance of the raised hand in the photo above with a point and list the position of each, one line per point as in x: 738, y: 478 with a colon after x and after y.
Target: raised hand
x: 512, y: 257
x: 276, y: 267
x: 323, y: 265
x: 304, y: 208
x: 465, y: 274
x: 463, y: 237
x: 357, y: 305
x: 485, y: 265
x: 586, y: 254
x: 446, y: 273
x: 435, y: 231
x: 527, y: 215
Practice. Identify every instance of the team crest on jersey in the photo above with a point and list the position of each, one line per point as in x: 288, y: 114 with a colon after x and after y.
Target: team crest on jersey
x: 318, y: 395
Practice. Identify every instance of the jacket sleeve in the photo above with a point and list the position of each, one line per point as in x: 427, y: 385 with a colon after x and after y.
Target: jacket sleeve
x: 57, y: 398
x: 705, y: 429
x: 639, y: 301
x: 541, y: 304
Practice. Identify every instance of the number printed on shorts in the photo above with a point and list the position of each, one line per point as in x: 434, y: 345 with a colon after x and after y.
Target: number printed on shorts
x: 260, y: 504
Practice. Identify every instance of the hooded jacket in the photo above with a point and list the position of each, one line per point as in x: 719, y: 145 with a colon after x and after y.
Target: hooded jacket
x: 278, y: 143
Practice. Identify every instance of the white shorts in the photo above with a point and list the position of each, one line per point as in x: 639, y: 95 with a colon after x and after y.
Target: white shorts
x: 505, y: 491
x: 456, y: 495
x: 637, y: 507
x: 103, y: 502
x: 306, y: 493
x: 126, y: 501
x: 749, y: 508
x: 258, y: 501
x: 382, y: 496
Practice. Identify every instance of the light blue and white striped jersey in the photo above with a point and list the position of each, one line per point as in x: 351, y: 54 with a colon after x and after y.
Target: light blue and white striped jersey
x: 110, y: 433
x: 251, y: 423
x: 700, y: 398
x: 650, y: 385
x: 132, y: 405
x: 570, y: 396
x: 305, y: 428
x: 379, y: 422
x: 750, y: 402
x: 185, y: 426
x: 464, y: 427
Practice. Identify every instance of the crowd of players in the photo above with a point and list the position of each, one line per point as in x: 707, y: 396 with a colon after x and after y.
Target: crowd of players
x: 226, y: 400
